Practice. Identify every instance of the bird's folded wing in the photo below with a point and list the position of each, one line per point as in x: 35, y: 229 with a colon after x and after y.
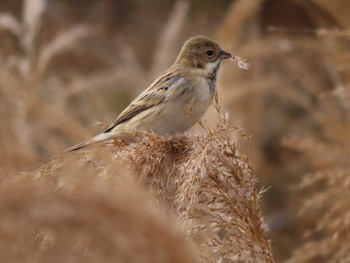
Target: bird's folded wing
x: 151, y: 97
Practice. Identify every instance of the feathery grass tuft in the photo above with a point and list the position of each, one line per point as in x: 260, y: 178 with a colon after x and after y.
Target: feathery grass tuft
x: 74, y: 212
x: 202, y: 179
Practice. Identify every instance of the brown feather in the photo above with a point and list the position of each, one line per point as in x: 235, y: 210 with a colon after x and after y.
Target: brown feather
x: 151, y: 97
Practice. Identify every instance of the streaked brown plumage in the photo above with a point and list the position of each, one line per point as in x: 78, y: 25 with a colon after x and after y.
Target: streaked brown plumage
x: 177, y: 99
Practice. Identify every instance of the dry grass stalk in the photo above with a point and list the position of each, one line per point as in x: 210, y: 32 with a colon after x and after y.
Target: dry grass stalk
x: 326, y: 190
x: 71, y: 211
x: 276, y: 97
x: 26, y: 91
x: 167, y: 46
x: 327, y: 201
x: 236, y: 17
x: 67, y: 40
x: 32, y: 16
x: 327, y: 193
x: 204, y: 180
x: 10, y: 23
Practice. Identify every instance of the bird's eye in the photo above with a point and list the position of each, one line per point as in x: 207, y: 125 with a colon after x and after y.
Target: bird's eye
x: 209, y: 53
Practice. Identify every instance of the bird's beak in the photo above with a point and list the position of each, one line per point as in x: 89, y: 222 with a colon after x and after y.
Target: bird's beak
x: 223, y: 54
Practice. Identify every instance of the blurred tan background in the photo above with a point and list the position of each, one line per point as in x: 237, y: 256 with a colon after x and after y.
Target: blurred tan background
x: 66, y: 65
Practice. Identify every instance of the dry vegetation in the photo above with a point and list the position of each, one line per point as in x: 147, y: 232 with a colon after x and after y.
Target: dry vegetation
x: 201, y: 179
x: 68, y: 213
x: 185, y: 198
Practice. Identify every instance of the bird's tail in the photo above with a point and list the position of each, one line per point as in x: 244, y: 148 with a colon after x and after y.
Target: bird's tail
x: 98, y: 138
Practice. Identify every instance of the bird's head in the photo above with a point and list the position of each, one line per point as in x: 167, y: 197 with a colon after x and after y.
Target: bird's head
x: 202, y: 53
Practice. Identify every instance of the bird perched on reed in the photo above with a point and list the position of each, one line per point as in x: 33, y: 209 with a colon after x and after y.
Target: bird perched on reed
x: 177, y: 99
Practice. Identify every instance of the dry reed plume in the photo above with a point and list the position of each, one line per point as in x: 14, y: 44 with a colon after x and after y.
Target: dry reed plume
x: 325, y: 189
x: 298, y: 96
x: 85, y: 204
x: 202, y: 179
x: 72, y: 213
x: 60, y: 75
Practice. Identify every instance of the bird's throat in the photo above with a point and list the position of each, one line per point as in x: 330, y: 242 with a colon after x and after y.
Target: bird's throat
x: 212, y: 74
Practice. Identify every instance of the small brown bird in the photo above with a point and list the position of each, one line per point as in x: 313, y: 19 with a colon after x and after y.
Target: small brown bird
x: 177, y: 99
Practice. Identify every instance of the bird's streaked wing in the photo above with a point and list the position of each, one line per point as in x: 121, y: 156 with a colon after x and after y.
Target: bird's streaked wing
x: 151, y: 97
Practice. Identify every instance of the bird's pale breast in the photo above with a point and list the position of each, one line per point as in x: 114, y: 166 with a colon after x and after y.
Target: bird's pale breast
x: 178, y: 114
